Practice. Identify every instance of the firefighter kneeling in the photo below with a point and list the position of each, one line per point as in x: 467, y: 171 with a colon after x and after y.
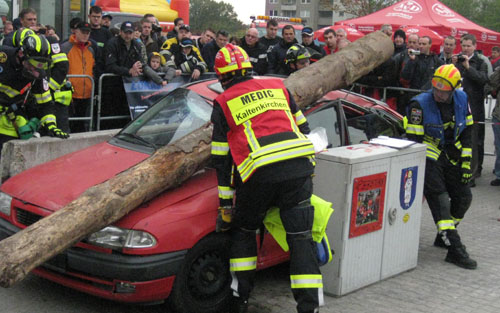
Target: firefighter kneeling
x: 442, y: 120
x: 259, y: 149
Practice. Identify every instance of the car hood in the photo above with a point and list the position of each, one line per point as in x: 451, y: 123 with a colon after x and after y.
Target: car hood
x: 56, y: 183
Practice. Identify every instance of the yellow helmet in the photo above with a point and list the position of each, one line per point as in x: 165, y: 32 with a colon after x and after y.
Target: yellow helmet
x: 447, y: 78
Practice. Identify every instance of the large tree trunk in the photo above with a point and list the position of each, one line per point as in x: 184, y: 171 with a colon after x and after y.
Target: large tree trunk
x: 106, y: 203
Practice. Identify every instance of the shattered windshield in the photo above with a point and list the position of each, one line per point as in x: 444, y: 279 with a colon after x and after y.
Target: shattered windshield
x: 181, y: 112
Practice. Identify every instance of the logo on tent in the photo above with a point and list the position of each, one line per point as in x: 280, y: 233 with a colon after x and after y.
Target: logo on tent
x: 453, y: 31
x: 484, y: 36
x: 441, y: 10
x: 408, y: 7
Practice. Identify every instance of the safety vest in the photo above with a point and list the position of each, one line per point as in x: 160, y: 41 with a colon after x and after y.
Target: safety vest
x: 434, y: 127
x: 256, y: 139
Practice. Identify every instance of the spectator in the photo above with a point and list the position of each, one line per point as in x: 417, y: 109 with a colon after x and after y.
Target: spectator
x: 450, y: 43
x: 189, y: 61
x: 173, y: 53
x: 494, y: 82
x: 341, y: 34
x: 137, y: 32
x: 399, y: 41
x: 276, y: 58
x: 114, y: 31
x: 156, y: 29
x: 386, y: 29
x: 158, y: 64
x: 82, y: 60
x: 400, y: 60
x: 150, y: 44
x: 7, y: 29
x: 413, y: 42
x: 474, y: 77
x: 235, y: 41
x: 417, y: 73
x: 210, y: 50
x: 342, y: 44
x: 271, y: 38
x: 106, y: 20
x: 495, y: 57
x: 100, y: 34
x: 51, y: 32
x: 255, y: 50
x: 487, y: 61
x: 330, y: 41
x: 178, y: 22
x: 307, y: 41
x: 207, y: 36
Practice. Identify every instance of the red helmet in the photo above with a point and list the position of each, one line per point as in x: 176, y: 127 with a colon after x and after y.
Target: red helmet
x: 231, y: 58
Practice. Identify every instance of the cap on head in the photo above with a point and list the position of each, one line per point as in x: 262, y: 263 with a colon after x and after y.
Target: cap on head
x: 307, y: 31
x: 231, y: 58
x: 187, y: 42
x: 107, y: 15
x: 127, y: 27
x: 446, y: 78
x: 83, y: 26
x: 185, y: 27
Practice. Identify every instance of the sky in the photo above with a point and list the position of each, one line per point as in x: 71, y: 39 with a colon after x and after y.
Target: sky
x: 247, y: 8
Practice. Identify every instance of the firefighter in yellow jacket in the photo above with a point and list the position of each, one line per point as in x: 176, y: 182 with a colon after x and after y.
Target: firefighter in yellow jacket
x: 260, y: 151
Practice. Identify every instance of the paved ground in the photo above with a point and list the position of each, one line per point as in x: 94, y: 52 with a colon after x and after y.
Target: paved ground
x: 434, y: 286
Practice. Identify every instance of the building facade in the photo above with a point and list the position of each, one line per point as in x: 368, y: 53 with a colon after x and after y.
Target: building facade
x: 316, y: 13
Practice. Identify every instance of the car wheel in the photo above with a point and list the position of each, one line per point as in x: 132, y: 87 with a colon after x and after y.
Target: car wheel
x: 203, y: 283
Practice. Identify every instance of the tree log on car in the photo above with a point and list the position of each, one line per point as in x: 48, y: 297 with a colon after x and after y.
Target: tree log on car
x: 168, y: 167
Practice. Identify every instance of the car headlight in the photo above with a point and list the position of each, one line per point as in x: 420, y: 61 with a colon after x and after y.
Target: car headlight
x: 5, y: 202
x: 117, y: 238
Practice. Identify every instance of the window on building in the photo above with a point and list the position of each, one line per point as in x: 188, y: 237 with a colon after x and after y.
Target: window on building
x: 306, y: 1
x: 289, y: 13
x: 273, y: 12
x: 327, y: 14
x: 288, y: 2
x: 273, y: 1
x: 305, y: 13
x: 341, y: 13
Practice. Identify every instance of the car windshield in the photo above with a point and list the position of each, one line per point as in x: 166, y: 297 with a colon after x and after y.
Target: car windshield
x: 181, y: 112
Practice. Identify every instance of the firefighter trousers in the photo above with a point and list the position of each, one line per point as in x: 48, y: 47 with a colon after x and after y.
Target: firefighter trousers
x: 447, y: 197
x: 292, y: 196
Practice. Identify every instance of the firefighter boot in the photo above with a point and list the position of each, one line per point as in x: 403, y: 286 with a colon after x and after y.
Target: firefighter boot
x: 457, y: 254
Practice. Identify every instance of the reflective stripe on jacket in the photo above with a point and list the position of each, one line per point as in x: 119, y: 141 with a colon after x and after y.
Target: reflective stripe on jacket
x: 251, y: 141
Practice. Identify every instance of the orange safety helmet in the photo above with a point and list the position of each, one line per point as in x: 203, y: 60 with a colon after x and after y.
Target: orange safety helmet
x: 447, y: 78
x: 231, y: 58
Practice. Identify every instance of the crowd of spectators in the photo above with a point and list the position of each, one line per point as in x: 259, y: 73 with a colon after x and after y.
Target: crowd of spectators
x: 140, y: 49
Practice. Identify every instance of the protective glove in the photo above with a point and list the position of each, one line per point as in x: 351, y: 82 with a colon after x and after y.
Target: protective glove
x: 224, y: 217
x: 54, y: 131
x: 466, y: 172
x: 27, y: 131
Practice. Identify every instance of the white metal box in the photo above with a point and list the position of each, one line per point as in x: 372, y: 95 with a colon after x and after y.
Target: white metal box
x: 376, y: 192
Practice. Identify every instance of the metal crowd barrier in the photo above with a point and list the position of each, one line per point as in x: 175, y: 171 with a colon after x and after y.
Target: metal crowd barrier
x: 99, y: 103
x: 85, y: 118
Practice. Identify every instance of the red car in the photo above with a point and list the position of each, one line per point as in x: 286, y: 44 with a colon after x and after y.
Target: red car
x: 167, y: 247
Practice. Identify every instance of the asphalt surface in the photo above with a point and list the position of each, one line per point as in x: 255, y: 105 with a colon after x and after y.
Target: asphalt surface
x: 434, y: 286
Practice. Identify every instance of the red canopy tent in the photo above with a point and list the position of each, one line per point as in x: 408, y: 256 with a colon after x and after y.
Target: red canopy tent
x: 428, y: 13
x: 352, y: 33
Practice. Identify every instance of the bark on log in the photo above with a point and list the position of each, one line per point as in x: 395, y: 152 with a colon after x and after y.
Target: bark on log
x: 106, y: 203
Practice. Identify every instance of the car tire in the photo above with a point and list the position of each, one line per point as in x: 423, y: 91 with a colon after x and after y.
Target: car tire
x: 203, y: 283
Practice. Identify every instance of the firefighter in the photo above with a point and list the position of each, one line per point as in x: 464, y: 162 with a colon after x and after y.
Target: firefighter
x: 260, y: 151
x: 297, y: 57
x: 22, y: 78
x: 441, y: 119
x: 60, y: 88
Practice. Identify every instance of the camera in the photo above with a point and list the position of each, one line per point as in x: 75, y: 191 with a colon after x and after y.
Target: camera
x: 460, y: 58
x: 413, y: 52
x: 156, y: 28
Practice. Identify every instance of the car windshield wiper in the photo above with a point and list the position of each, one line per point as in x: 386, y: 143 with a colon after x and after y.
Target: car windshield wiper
x: 138, y: 138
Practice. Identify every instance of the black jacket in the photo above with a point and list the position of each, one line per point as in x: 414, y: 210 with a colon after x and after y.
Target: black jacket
x: 118, y: 59
x: 316, y: 51
x: 473, y: 81
x: 269, y: 43
x: 208, y: 53
x: 276, y: 58
x: 257, y: 55
x: 418, y: 72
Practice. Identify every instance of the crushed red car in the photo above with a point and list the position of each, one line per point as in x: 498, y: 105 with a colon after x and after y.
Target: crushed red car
x: 167, y: 247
